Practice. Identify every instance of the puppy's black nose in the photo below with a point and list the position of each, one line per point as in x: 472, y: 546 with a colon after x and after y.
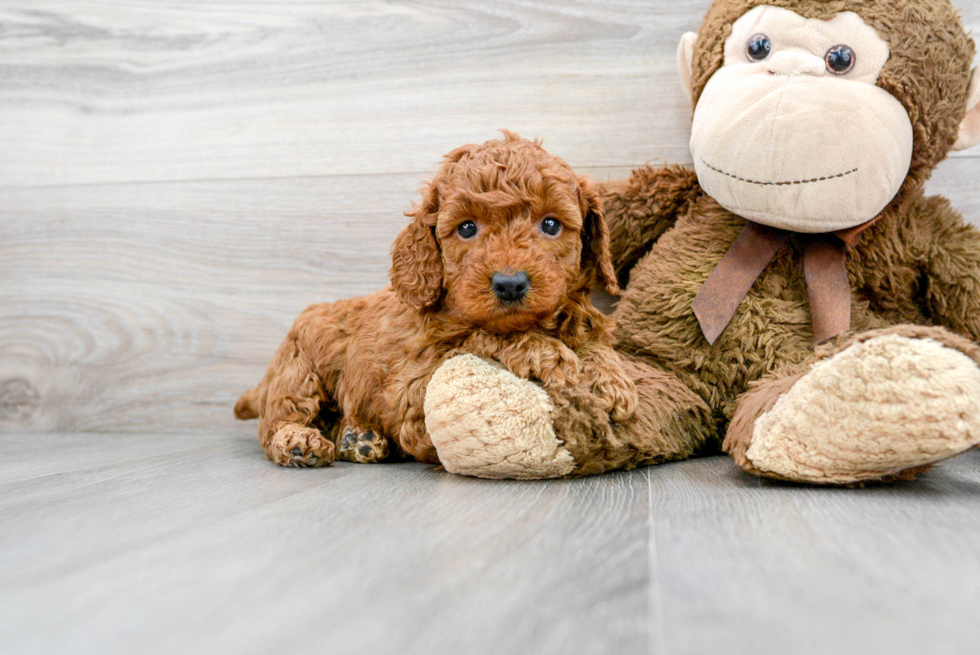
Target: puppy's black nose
x: 510, y: 287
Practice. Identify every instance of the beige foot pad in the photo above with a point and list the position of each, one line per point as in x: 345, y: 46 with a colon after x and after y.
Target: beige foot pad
x: 488, y: 423
x: 875, y: 409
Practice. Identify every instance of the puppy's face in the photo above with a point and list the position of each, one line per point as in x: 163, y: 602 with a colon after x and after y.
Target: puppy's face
x: 511, y: 253
x: 505, y: 232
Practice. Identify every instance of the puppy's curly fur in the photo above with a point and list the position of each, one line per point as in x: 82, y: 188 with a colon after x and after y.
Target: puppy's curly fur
x: 349, y: 381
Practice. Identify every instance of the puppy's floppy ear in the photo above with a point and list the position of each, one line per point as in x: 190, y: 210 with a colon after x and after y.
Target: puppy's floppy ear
x: 416, y: 260
x: 596, y: 256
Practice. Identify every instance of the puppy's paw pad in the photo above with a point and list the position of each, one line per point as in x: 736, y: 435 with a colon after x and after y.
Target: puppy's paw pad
x: 300, y: 447
x: 362, y: 446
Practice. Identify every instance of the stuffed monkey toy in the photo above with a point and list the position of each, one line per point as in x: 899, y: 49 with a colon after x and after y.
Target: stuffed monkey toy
x: 795, y: 299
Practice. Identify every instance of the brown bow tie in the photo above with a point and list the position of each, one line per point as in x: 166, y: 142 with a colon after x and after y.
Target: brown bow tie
x: 827, y: 285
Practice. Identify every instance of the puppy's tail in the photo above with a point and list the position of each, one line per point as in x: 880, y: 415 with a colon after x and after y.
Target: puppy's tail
x: 247, y: 406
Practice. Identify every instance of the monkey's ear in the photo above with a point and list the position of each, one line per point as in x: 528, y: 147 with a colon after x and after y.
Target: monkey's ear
x: 970, y: 127
x: 685, y: 60
x: 596, y: 253
x: 416, y: 260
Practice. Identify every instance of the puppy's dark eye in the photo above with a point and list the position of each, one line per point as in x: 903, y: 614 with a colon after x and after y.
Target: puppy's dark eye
x: 759, y: 47
x: 466, y: 230
x: 551, y: 226
x: 840, y: 60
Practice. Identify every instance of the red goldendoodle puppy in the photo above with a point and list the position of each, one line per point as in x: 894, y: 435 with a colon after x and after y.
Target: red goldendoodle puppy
x: 498, y: 261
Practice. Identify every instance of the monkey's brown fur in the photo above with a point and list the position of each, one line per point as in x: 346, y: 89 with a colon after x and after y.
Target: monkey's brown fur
x: 352, y: 375
x: 919, y: 265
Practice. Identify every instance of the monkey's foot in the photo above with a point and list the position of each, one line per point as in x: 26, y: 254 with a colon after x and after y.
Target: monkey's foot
x: 488, y: 423
x: 880, y: 408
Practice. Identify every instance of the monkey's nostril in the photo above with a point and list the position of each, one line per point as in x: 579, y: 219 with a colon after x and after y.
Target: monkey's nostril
x: 510, y: 287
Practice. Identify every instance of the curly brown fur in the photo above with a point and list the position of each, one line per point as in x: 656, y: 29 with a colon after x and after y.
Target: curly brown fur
x: 365, y: 363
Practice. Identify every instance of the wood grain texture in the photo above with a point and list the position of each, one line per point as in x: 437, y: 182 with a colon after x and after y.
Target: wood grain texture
x: 131, y: 90
x: 195, y: 544
x: 132, y: 306
x: 138, y: 91
x: 753, y: 566
x: 210, y: 548
x: 179, y: 179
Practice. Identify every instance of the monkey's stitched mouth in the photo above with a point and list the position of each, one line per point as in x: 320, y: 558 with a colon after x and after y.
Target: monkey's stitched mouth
x: 787, y: 183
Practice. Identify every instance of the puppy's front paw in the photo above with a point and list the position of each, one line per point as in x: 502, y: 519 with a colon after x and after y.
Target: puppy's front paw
x: 299, y: 447
x: 564, y: 370
x: 552, y: 362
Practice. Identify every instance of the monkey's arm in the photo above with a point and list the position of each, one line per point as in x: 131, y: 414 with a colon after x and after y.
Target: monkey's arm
x: 641, y: 208
x: 952, y: 288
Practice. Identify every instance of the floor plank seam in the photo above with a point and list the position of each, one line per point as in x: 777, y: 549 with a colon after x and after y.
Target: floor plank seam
x: 654, y: 588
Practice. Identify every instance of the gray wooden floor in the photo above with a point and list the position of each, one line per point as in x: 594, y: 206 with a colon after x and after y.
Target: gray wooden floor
x: 179, y: 178
x: 195, y: 544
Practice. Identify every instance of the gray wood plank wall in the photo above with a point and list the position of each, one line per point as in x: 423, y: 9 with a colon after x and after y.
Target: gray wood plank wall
x: 178, y: 179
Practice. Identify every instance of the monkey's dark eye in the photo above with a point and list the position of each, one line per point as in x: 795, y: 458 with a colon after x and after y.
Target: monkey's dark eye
x: 551, y: 226
x: 759, y: 47
x: 466, y: 230
x: 840, y: 60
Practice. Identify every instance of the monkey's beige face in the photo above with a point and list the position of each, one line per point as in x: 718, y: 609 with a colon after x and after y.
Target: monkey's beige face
x: 792, y: 132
